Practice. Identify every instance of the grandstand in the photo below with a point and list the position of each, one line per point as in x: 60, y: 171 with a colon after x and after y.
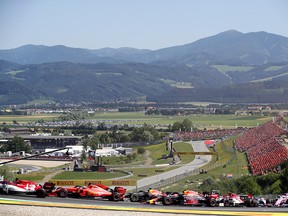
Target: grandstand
x: 207, y: 134
x: 265, y: 146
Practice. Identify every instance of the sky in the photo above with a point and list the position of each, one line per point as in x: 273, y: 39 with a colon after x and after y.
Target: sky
x: 142, y: 24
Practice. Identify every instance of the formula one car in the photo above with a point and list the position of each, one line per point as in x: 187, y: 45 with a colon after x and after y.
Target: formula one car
x: 49, y: 189
x: 19, y: 186
x: 250, y: 201
x: 145, y: 196
x: 188, y: 197
x: 97, y: 190
x: 28, y: 187
x: 231, y: 199
x: 282, y: 201
x: 212, y: 199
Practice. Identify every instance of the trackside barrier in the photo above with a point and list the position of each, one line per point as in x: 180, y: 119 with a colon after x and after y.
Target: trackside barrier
x: 130, y: 182
x: 195, y: 153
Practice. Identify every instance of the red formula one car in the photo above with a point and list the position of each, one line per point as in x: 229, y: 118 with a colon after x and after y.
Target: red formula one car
x: 97, y: 190
x: 49, y: 189
x: 29, y: 187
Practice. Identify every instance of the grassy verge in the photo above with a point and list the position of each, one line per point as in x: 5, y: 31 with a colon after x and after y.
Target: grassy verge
x: 34, y: 176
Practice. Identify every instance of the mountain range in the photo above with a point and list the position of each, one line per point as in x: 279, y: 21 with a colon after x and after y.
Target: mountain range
x: 228, y: 67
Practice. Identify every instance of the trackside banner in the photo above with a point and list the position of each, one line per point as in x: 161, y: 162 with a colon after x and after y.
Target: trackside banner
x: 130, y: 182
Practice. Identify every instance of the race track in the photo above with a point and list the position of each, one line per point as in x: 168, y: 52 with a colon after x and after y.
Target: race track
x: 131, y: 208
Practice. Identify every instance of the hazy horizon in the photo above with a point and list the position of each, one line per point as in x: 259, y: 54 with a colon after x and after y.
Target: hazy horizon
x: 149, y: 24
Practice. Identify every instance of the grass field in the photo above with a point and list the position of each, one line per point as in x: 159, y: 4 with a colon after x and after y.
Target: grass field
x: 200, y: 121
x: 22, y: 119
x: 34, y: 176
x: 226, y: 68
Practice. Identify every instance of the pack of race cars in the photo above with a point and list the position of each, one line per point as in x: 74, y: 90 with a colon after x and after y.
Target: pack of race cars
x: 50, y: 189
x: 151, y: 196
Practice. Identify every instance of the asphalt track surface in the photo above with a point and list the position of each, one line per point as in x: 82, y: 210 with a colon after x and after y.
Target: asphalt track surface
x: 127, y: 206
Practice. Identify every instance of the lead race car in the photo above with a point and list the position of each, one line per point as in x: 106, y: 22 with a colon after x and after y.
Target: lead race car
x: 31, y: 188
x: 19, y: 186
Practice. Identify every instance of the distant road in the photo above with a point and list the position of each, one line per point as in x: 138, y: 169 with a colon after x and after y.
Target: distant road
x: 199, y: 161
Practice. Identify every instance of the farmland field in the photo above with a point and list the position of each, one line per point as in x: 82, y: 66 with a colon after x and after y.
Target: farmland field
x: 226, y: 68
x: 199, y: 120
x: 22, y: 119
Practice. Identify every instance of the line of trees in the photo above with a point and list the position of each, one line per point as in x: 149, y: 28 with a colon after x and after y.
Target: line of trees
x: 272, y: 183
x: 145, y: 133
x: 16, y: 144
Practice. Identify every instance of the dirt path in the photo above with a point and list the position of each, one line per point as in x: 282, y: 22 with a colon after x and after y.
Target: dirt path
x: 148, y: 159
x: 48, y: 177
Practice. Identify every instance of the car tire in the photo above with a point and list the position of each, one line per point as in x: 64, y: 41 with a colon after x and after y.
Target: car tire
x: 212, y: 202
x: 181, y: 200
x: 5, y: 189
x: 134, y: 197
x: 167, y: 200
x: 63, y: 193
x: 41, y: 193
x: 115, y: 196
x: 226, y: 203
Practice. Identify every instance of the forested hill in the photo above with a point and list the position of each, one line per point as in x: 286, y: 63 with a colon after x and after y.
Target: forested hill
x: 227, y: 67
x: 65, y: 81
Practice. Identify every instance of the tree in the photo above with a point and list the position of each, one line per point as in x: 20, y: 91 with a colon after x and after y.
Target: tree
x: 17, y: 144
x: 228, y: 186
x: 137, y: 134
x: 176, y: 126
x: 93, y: 143
x: 187, y: 125
x: 248, y: 184
x: 210, y: 184
x: 140, y: 150
x: 7, y: 173
x: 284, y: 179
x: 104, y: 138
